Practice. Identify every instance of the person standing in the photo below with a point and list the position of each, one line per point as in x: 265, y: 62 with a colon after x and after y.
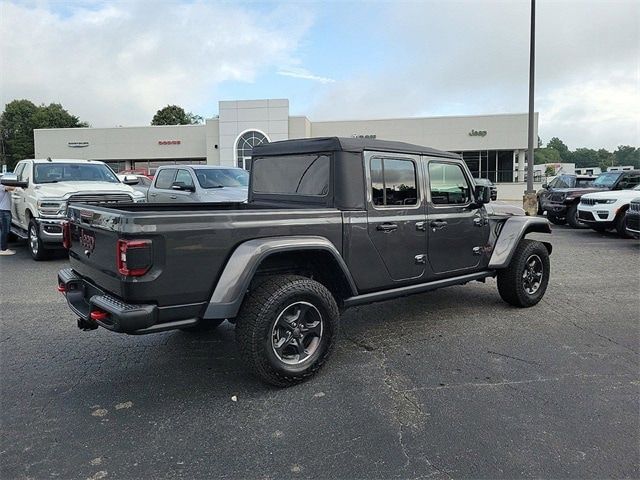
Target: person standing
x: 5, y: 220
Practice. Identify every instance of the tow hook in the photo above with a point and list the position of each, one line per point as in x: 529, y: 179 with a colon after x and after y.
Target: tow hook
x: 86, y: 325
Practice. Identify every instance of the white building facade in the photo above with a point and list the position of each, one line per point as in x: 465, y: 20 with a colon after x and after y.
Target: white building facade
x: 492, y: 145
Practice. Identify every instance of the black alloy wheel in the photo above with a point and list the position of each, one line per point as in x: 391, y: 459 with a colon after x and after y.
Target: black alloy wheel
x: 286, y: 328
x: 524, y: 282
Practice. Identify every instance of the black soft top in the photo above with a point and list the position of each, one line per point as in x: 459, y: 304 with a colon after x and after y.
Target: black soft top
x: 341, y: 144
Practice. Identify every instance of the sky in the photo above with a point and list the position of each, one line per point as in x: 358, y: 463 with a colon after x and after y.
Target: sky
x: 116, y: 63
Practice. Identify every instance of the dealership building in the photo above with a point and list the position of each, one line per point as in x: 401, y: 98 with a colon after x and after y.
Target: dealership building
x: 493, y: 146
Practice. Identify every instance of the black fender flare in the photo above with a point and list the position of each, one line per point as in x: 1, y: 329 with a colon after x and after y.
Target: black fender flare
x: 513, y: 230
x: 241, y: 267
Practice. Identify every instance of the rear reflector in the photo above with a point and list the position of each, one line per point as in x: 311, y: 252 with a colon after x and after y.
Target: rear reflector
x: 133, y: 257
x: 98, y: 315
x: 62, y: 288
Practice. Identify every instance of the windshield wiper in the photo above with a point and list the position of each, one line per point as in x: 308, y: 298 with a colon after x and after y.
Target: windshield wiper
x: 216, y: 186
x: 50, y: 181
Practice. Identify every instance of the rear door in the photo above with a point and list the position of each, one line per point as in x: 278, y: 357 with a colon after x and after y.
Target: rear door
x: 396, y: 214
x: 161, y: 190
x: 458, y: 231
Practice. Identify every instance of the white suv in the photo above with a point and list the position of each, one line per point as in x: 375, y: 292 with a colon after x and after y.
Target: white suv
x: 45, y: 187
x: 606, y: 210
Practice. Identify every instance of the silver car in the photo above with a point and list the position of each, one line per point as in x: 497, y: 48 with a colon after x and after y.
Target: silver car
x: 199, y: 183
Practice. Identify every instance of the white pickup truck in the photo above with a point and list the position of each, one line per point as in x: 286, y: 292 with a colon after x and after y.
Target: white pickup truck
x: 45, y: 187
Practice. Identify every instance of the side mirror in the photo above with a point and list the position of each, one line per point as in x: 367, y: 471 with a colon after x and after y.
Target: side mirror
x: 482, y: 194
x: 545, y: 185
x: 130, y: 180
x: 11, y: 180
x: 183, y: 186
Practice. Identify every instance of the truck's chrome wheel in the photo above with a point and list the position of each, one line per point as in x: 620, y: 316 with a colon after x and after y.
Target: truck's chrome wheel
x: 33, y: 239
x: 296, y: 333
x: 532, y: 274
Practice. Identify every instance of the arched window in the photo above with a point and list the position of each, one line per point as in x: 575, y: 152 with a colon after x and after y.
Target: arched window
x: 245, y: 144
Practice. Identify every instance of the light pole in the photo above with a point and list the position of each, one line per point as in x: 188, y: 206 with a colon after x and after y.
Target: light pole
x: 530, y: 200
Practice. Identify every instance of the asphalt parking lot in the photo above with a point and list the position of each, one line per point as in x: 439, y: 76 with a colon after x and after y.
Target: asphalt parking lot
x: 450, y: 384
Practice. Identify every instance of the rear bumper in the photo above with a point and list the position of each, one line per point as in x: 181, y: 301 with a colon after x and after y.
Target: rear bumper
x: 83, y: 298
x: 557, y: 209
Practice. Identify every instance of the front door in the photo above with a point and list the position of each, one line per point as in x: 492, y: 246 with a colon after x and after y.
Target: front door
x: 396, y: 214
x: 458, y: 230
x: 183, y: 176
x: 18, y: 201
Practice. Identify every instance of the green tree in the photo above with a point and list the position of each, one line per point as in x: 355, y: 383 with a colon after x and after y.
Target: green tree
x: 20, y: 118
x: 546, y: 155
x: 54, y: 116
x: 605, y: 159
x: 585, y: 157
x: 175, y: 115
x: 627, y: 155
x: 561, y: 148
x: 16, y: 131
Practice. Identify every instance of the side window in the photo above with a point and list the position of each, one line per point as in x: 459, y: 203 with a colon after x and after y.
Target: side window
x: 393, y: 182
x: 448, y: 184
x: 185, y: 177
x: 164, y: 178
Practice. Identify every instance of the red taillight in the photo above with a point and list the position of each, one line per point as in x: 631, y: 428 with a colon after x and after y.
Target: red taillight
x: 66, y: 235
x: 98, y: 315
x: 133, y: 257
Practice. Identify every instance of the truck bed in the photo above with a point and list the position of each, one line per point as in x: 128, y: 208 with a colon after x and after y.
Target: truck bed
x: 190, y: 244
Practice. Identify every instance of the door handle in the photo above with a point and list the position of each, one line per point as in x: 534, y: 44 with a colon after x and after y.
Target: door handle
x: 438, y: 224
x: 387, y: 227
x: 422, y: 226
x: 172, y: 197
x: 153, y: 194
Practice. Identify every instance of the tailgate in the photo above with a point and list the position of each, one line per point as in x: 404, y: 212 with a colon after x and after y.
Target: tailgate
x: 94, y: 234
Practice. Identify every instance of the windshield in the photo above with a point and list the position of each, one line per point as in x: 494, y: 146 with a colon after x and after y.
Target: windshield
x: 606, y: 180
x: 222, y: 177
x: 584, y: 182
x: 563, y: 181
x: 73, y: 172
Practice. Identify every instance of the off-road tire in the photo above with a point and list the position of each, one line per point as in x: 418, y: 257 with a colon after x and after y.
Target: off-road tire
x: 35, y: 244
x: 556, y: 220
x: 540, y: 210
x: 260, y: 311
x: 204, y: 326
x: 572, y: 217
x: 510, y: 280
x: 620, y: 224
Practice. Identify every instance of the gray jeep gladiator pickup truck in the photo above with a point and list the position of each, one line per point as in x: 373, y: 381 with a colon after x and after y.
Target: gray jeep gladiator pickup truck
x: 330, y: 223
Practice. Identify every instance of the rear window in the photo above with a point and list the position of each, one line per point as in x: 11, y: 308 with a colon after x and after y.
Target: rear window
x: 292, y: 175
